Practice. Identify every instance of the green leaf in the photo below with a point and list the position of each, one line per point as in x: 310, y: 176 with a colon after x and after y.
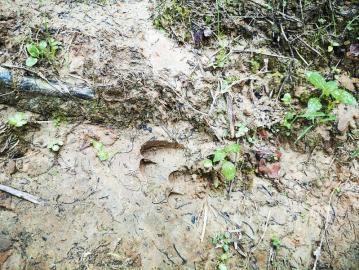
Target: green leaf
x: 18, y: 120
x: 97, y: 145
x: 303, y: 132
x: 288, y: 120
x: 344, y: 97
x: 316, y: 79
x: 330, y: 87
x: 219, y: 155
x: 42, y: 45
x: 287, y: 99
x: 103, y: 155
x: 224, y: 257
x: 228, y: 170
x: 232, y: 148
x: 207, y: 163
x: 241, y: 130
x: 275, y: 242
x: 31, y: 61
x: 33, y: 50
x: 313, y: 107
x: 222, y: 266
x: 225, y: 248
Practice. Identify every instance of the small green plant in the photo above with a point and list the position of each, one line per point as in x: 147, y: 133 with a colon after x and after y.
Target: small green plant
x: 330, y: 88
x: 318, y: 109
x: 275, y: 242
x: 287, y: 99
x: 222, y: 241
x: 221, y: 161
x: 354, y: 154
x: 102, y: 153
x: 222, y: 55
x: 55, y: 145
x: 45, y: 49
x: 19, y: 119
x: 241, y: 130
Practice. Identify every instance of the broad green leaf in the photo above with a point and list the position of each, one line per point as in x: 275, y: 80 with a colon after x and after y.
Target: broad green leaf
x: 97, y: 145
x: 219, y: 155
x: 31, y: 61
x: 18, y: 120
x: 101, y: 151
x: 287, y: 99
x: 42, y: 45
x: 33, y: 50
x: 316, y: 79
x: 222, y: 266
x: 313, y: 108
x: 103, y: 155
x: 330, y: 87
x: 228, y: 170
x: 207, y: 163
x: 314, y: 105
x: 225, y: 248
x: 232, y: 148
x: 344, y: 97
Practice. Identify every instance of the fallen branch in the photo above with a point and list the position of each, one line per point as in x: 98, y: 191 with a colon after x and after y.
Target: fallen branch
x: 21, y: 194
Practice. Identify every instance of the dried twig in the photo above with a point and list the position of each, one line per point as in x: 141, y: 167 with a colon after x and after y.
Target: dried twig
x: 21, y: 194
x: 205, y: 218
x: 317, y: 252
x: 264, y: 232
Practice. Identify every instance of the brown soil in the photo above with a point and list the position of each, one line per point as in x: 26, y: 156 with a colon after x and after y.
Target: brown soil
x: 151, y: 206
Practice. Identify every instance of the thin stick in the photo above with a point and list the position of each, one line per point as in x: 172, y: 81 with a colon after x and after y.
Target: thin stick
x: 204, y: 221
x: 263, y: 53
x: 264, y: 232
x: 28, y: 70
x: 317, y: 252
x: 21, y: 194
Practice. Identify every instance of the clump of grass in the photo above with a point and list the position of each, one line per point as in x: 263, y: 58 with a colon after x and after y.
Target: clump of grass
x: 222, y: 241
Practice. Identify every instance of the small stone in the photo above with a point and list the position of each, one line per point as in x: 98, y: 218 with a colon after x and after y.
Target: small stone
x: 247, y: 112
x: 10, y: 167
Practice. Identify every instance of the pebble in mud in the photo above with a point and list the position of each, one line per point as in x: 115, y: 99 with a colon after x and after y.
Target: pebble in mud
x: 10, y: 167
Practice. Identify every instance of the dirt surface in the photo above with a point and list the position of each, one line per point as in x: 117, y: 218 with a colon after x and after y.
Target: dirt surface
x: 160, y: 110
x: 146, y: 202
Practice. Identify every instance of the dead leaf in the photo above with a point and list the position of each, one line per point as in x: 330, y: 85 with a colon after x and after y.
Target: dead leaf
x: 345, y: 115
x: 346, y: 82
x: 269, y: 170
x: 354, y: 49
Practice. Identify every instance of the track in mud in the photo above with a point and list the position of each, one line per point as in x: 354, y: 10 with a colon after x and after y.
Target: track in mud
x: 145, y: 208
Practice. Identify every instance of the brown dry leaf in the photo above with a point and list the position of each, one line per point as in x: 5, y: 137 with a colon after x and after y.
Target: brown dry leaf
x: 345, y: 115
x: 346, y: 82
x: 269, y: 170
x: 354, y: 49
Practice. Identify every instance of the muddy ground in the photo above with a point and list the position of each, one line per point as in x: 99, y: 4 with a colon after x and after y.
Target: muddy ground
x: 159, y: 111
